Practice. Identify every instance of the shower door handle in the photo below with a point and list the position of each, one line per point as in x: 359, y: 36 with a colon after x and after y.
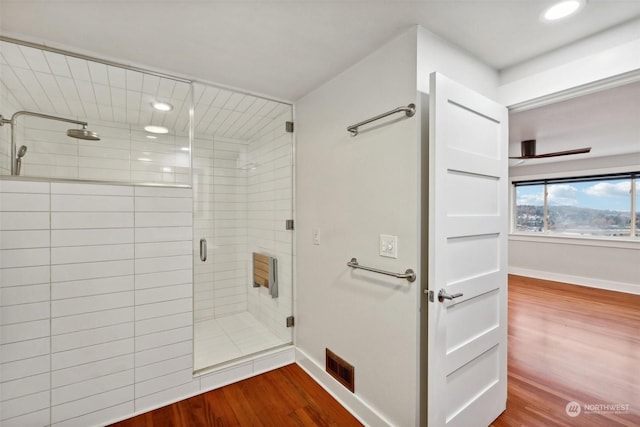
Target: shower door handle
x: 203, y: 249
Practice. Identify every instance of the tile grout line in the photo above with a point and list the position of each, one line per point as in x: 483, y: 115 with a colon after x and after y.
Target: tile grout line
x: 135, y: 195
x: 50, y: 312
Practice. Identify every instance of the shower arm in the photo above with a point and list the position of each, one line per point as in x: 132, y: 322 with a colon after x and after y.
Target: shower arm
x: 12, y: 122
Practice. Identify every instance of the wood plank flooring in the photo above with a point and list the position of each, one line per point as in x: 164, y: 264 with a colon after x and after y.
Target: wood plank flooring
x: 566, y: 343
x: 571, y: 343
x: 284, y: 397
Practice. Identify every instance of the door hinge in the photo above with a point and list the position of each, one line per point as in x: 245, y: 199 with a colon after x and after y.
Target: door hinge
x: 289, y: 127
x: 290, y: 322
x: 289, y: 224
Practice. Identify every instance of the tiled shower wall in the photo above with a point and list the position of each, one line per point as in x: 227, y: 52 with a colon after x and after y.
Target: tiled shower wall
x: 270, y: 204
x: 220, y: 215
x: 7, y: 104
x: 123, y: 153
x: 96, y: 301
x: 243, y: 196
x: 96, y: 304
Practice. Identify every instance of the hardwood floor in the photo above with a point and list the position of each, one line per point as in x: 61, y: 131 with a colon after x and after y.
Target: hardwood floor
x: 571, y: 343
x: 284, y: 397
x: 566, y: 343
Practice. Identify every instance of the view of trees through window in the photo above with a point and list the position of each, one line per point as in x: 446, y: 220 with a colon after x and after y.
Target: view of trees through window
x: 579, y: 206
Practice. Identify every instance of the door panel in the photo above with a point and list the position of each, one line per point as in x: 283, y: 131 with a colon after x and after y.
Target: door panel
x: 467, y: 256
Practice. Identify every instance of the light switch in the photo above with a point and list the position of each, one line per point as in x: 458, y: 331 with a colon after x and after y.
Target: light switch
x: 389, y: 246
x: 315, y: 236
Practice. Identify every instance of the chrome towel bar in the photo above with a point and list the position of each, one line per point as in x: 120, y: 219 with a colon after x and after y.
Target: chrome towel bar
x: 410, y: 275
x: 409, y: 110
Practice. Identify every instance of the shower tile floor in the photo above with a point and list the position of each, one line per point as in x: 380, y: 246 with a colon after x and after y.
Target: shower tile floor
x: 230, y: 337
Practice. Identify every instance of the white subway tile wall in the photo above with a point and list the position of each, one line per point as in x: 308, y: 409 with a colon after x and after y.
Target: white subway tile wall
x: 230, y: 255
x: 270, y: 204
x: 203, y: 227
x: 220, y: 212
x: 92, y: 302
x: 163, y: 310
x: 25, y: 333
x: 116, y: 102
x: 123, y: 154
x: 96, y: 304
x: 9, y: 104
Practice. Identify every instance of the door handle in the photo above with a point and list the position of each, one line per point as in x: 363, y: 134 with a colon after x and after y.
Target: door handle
x: 442, y: 295
x: 203, y: 249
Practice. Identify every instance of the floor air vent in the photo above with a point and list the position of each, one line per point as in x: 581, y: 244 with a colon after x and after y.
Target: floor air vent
x: 339, y: 369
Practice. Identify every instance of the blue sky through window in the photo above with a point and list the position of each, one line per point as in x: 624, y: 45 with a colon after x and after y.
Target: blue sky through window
x: 606, y: 195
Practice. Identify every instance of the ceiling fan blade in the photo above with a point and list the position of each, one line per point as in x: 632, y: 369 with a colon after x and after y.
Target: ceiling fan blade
x: 562, y: 153
x: 555, y: 154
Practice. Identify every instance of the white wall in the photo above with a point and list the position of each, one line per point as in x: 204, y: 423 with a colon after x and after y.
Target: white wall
x: 601, y: 263
x: 352, y: 189
x: 437, y: 54
x: 613, y: 53
x: 587, y: 262
x: 614, y: 56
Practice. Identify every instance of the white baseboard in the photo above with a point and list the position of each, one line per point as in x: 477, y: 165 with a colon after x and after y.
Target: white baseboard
x: 354, y: 404
x: 629, y: 288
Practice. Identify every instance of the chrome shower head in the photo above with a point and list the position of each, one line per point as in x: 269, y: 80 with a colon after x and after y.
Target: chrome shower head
x: 83, y: 133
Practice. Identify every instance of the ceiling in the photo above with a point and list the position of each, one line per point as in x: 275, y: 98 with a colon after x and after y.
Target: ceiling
x: 66, y: 86
x: 285, y: 49
x: 608, y: 121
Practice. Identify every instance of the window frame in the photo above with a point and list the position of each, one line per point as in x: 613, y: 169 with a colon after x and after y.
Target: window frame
x: 577, y: 176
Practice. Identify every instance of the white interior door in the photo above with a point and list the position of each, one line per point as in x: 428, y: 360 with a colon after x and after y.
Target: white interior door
x: 468, y: 226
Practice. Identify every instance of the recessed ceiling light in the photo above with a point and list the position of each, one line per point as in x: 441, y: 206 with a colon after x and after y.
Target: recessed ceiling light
x: 162, y: 106
x: 152, y: 137
x: 166, y: 169
x: 156, y: 129
x: 185, y: 149
x: 562, y: 10
x: 144, y: 159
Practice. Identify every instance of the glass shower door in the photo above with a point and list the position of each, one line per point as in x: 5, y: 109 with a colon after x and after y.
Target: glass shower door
x: 243, y: 195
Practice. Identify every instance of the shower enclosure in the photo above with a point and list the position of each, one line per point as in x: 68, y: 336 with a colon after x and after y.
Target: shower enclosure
x: 232, y: 148
x: 243, y: 197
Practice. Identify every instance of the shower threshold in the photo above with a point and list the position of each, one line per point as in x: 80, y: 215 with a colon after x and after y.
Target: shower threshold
x: 225, y: 339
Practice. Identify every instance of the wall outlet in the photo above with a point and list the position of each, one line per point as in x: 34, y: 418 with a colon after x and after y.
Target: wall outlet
x: 315, y: 236
x: 389, y: 246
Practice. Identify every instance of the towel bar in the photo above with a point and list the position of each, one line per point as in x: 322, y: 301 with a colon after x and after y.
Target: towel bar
x: 409, y: 111
x: 410, y: 275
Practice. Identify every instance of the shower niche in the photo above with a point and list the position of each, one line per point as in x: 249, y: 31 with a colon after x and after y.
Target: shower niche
x: 68, y: 117
x: 243, y: 196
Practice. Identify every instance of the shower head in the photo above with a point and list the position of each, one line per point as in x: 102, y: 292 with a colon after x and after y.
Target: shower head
x: 19, y: 155
x: 83, y: 133
x: 74, y: 133
x: 21, y: 152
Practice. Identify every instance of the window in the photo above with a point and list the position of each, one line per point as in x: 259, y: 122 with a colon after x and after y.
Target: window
x: 603, y: 205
